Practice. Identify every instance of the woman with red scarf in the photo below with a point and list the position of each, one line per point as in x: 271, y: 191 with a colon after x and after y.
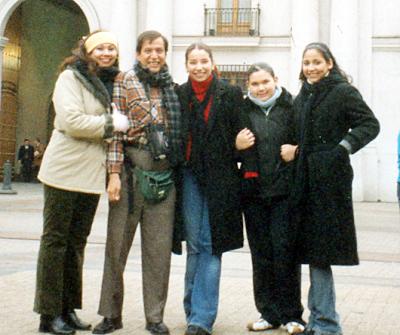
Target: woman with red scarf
x: 209, y: 200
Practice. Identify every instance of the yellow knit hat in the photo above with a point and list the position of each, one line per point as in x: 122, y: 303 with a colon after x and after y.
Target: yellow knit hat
x: 99, y: 38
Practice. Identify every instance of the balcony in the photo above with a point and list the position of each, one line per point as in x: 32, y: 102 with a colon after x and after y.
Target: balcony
x: 234, y: 74
x: 232, y: 21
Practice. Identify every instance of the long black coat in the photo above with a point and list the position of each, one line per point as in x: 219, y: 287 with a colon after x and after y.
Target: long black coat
x: 325, y: 114
x: 275, y: 176
x: 222, y: 186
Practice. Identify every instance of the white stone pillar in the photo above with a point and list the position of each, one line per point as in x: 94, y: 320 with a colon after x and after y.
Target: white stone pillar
x: 365, y: 49
x: 344, y: 40
x: 159, y: 16
x: 344, y: 46
x: 123, y: 24
x: 304, y: 30
x: 351, y: 44
x: 370, y: 166
x: 3, y: 43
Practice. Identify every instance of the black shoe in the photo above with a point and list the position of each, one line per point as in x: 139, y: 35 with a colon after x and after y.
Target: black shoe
x: 196, y: 330
x: 306, y: 332
x: 74, y: 322
x: 157, y: 328
x: 108, y: 325
x: 44, y: 324
x: 56, y: 326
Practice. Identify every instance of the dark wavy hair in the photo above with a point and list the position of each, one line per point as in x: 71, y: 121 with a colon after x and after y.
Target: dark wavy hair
x: 79, y: 53
x: 326, y: 53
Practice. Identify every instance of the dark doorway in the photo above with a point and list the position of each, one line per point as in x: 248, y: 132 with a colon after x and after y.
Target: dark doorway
x: 41, y: 33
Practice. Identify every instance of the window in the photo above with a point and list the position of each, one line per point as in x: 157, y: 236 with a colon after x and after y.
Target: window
x: 232, y: 18
x: 234, y: 74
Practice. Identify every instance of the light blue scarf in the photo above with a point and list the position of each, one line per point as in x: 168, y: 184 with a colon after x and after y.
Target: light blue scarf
x: 267, y: 104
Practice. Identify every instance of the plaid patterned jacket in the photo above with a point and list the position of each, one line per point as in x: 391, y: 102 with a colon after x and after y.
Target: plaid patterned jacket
x: 130, y: 98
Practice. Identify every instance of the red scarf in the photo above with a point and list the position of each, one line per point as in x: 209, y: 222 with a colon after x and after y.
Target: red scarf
x: 200, y: 89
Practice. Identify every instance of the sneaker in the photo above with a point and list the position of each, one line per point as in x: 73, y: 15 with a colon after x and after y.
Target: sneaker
x: 261, y: 325
x: 294, y: 327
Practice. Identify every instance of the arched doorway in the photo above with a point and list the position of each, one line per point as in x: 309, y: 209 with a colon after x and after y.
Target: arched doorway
x: 38, y: 35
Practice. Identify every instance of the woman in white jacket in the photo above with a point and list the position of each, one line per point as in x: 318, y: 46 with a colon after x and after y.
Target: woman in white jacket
x: 73, y: 173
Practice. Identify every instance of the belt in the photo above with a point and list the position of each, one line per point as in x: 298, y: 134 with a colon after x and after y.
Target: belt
x: 137, y: 142
x: 132, y: 144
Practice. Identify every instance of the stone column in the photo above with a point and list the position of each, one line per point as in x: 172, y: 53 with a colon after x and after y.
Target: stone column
x: 351, y: 44
x: 304, y: 29
x: 344, y: 41
x: 3, y: 43
x: 370, y: 157
x: 123, y: 24
x: 344, y: 46
x: 159, y: 16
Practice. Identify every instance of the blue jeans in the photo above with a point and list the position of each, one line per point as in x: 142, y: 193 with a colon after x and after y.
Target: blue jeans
x: 203, y: 269
x: 321, y: 302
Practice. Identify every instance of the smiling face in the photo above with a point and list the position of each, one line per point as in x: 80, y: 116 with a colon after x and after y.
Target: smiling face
x: 262, y: 85
x: 105, y: 55
x: 315, y: 66
x: 152, y: 55
x: 199, y: 65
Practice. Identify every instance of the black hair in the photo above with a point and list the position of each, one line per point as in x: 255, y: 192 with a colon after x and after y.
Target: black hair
x: 259, y: 67
x: 150, y: 35
x: 326, y: 53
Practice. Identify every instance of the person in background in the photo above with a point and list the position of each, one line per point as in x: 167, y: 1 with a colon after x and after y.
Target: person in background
x: 210, y: 187
x: 73, y: 173
x: 38, y: 156
x: 25, y: 157
x: 146, y: 95
x: 270, y: 232
x: 332, y: 121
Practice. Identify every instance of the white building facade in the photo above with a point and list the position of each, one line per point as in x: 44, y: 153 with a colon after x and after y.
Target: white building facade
x: 364, y: 36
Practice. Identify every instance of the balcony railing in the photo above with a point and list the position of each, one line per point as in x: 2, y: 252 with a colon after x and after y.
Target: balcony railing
x: 234, y: 74
x: 232, y: 21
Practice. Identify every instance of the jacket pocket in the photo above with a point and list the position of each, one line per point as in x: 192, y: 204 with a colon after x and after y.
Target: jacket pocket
x: 330, y: 169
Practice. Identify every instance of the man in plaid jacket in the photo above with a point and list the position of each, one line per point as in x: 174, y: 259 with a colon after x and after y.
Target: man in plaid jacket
x: 145, y: 95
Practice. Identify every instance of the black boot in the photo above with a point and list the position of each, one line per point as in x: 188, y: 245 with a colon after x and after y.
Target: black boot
x: 158, y: 328
x: 108, y: 325
x: 76, y: 323
x: 55, y: 325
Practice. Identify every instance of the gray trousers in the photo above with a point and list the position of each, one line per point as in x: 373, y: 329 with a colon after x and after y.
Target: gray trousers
x: 156, y: 228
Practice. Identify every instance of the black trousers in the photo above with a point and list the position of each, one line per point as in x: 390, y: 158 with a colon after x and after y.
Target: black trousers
x: 26, y: 171
x: 276, y: 276
x: 68, y: 218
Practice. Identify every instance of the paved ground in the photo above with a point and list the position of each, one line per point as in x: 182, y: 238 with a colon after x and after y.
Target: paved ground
x: 368, y: 296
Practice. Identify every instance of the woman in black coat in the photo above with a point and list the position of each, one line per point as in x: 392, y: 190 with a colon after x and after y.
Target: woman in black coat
x: 209, y: 196
x: 332, y: 121
x: 266, y: 181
